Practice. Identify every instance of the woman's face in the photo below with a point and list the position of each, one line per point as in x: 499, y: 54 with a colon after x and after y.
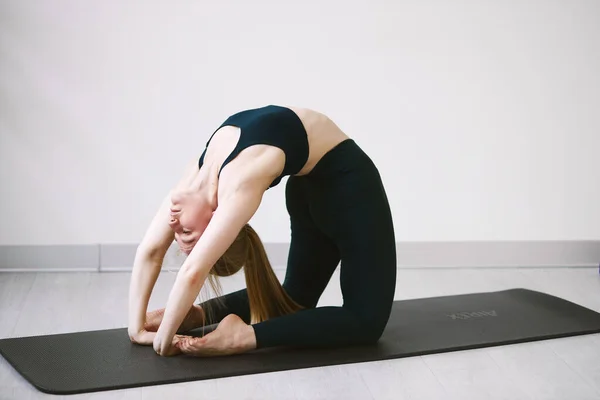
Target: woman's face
x: 189, y: 217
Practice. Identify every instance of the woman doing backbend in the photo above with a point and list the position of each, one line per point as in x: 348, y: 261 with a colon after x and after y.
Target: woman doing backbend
x: 338, y: 211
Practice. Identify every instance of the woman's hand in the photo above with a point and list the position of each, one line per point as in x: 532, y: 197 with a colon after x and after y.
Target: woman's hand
x: 141, y: 337
x: 232, y: 336
x: 167, y: 351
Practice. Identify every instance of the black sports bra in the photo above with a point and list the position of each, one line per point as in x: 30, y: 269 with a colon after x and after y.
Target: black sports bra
x: 272, y: 125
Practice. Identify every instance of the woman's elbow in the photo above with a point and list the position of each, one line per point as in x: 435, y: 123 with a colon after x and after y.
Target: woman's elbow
x: 146, y: 253
x: 190, y: 276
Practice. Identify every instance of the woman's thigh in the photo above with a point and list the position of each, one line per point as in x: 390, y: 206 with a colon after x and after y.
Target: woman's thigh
x: 313, y: 257
x: 351, y: 207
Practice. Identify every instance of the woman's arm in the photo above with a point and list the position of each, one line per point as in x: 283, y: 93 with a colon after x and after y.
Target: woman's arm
x: 146, y: 267
x: 233, y: 212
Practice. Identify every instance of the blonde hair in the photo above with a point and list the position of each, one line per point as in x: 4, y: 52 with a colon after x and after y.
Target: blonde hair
x: 266, y: 296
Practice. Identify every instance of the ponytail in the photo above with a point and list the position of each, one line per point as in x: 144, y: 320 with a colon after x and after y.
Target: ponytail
x: 266, y: 296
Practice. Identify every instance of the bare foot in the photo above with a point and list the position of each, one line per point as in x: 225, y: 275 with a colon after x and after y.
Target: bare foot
x: 193, y: 319
x: 153, y: 320
x: 232, y: 336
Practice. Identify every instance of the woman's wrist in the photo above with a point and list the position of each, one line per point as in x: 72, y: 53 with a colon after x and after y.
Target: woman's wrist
x: 136, y: 322
x: 135, y: 325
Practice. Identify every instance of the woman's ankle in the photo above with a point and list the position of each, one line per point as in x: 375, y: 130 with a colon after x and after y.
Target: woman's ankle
x: 196, y: 316
x: 193, y: 319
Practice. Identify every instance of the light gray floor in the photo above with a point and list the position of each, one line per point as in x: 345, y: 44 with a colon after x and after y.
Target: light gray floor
x: 563, y: 369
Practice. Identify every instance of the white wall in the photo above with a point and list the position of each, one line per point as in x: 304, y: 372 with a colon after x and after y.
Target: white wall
x: 484, y: 116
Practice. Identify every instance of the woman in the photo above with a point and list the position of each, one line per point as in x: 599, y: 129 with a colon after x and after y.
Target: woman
x: 338, y: 212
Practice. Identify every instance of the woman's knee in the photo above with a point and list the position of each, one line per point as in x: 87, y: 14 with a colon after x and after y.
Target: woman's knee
x: 371, y: 333
x: 371, y: 326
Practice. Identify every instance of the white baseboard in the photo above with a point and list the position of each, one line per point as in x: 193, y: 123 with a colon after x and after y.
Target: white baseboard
x: 507, y: 254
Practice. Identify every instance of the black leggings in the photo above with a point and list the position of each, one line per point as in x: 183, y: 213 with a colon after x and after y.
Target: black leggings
x: 338, y: 212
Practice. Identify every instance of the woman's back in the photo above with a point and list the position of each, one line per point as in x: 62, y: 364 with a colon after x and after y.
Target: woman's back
x: 264, y: 161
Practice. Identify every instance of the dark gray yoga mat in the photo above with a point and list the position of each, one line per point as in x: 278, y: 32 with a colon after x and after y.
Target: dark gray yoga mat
x: 103, y: 360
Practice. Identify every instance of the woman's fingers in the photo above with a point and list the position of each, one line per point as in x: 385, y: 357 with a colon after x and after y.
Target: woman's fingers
x: 174, y: 349
x: 194, y: 346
